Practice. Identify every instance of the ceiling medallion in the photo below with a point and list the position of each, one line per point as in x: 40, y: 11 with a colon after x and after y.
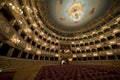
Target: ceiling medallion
x: 75, y: 11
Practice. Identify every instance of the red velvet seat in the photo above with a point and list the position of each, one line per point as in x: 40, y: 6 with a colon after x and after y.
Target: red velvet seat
x: 78, y: 72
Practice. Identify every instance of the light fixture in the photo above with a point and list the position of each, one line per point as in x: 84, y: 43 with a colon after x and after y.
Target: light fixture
x: 27, y: 8
x: 30, y: 36
x: 18, y: 8
x: 13, y: 7
x: 81, y: 41
x: 38, y: 52
x: 84, y: 55
x: 57, y: 41
x: 66, y: 51
x: 44, y: 44
x: 20, y: 21
x: 104, y: 27
x: 116, y: 30
x: 70, y: 59
x: 52, y: 46
x: 78, y: 48
x: 94, y: 32
x: 35, y: 10
x: 118, y: 19
x: 87, y: 47
x: 102, y: 36
x: 76, y: 37
x: 98, y: 45
x: 109, y: 53
x: 49, y: 38
x: 27, y: 30
x: 21, y: 12
x: 57, y: 55
x: 75, y: 11
x: 10, y: 4
x: 118, y: 43
x: 40, y: 21
x: 95, y: 54
x: 15, y: 39
x: 73, y: 42
x: 36, y: 39
x: 84, y: 35
x: 42, y: 33
x: 34, y: 24
x: 112, y: 42
x: 30, y: 18
x: 74, y: 55
x: 28, y: 48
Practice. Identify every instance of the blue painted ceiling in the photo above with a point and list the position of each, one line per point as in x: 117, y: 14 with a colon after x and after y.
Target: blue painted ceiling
x: 92, y: 9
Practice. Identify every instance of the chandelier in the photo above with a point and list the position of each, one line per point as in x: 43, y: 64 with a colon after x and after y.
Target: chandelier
x: 75, y: 11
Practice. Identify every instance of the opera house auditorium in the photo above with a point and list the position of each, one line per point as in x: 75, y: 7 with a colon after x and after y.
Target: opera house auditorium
x: 59, y: 39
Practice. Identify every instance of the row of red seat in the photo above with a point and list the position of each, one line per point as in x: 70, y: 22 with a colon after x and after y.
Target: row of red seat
x: 78, y: 72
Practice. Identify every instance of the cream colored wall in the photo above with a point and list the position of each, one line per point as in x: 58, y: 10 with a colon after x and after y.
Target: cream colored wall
x: 15, y: 64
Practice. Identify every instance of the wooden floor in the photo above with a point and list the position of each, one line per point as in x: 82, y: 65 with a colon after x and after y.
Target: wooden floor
x: 27, y: 73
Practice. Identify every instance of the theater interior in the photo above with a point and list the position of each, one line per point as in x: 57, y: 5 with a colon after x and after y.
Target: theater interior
x: 59, y: 39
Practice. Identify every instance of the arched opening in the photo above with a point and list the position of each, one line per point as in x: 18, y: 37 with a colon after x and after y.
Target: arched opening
x: 64, y: 61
